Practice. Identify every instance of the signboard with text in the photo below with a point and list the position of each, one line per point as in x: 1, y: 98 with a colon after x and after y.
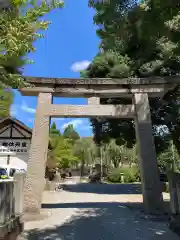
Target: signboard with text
x: 14, y: 146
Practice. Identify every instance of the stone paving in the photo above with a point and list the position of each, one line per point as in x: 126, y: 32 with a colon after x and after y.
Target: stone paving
x: 94, y: 212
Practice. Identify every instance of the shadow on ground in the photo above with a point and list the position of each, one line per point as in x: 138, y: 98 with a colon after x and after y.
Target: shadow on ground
x: 99, y: 205
x: 108, y: 205
x: 103, y: 188
x: 105, y: 221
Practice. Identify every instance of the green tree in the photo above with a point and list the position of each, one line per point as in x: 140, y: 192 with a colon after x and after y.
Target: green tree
x: 20, y: 26
x: 61, y: 152
x: 70, y: 133
x: 169, y: 159
x: 54, y: 131
x: 6, y: 99
x: 119, y: 154
x: 65, y: 154
x: 131, y: 154
x: 139, y: 40
x: 85, y: 150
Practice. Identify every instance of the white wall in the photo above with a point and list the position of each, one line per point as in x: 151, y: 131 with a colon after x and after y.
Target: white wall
x: 19, y: 161
x: 3, y: 160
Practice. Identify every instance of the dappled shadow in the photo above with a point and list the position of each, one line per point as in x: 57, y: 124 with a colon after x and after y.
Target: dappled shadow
x: 106, y: 221
x: 103, y: 188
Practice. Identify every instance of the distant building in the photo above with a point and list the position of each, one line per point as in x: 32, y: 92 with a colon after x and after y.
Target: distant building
x: 15, y: 141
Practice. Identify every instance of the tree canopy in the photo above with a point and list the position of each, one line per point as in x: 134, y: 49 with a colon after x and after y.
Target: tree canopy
x: 54, y: 131
x: 21, y: 24
x: 70, y: 133
x: 61, y: 146
x: 138, y: 39
x: 6, y: 99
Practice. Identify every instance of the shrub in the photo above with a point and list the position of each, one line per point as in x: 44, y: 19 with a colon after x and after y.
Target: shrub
x: 130, y: 175
x: 114, y: 175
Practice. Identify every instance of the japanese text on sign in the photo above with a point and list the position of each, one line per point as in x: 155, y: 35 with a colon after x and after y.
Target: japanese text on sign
x: 16, y: 146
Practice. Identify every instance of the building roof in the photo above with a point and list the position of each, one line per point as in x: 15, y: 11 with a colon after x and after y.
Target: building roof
x: 9, y: 120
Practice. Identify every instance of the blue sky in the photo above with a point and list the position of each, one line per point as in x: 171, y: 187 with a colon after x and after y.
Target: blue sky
x: 69, y: 45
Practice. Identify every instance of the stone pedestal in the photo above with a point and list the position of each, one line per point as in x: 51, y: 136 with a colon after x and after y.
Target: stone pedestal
x: 151, y: 188
x: 19, y: 179
x: 35, y: 179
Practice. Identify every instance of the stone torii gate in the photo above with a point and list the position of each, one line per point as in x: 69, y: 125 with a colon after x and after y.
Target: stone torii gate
x: 139, y: 90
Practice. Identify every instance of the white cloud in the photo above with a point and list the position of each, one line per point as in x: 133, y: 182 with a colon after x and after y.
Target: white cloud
x: 79, y: 66
x: 75, y: 123
x: 25, y: 108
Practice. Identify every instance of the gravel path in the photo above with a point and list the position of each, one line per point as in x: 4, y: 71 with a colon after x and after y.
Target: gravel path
x: 94, y: 212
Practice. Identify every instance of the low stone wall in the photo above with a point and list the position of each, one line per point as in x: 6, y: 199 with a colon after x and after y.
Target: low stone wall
x: 7, y: 201
x: 11, y: 207
x: 12, y: 229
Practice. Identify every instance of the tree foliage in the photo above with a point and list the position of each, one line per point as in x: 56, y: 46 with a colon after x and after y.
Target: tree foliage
x: 138, y: 40
x: 70, y: 133
x: 20, y: 25
x: 60, y: 148
x: 6, y: 99
x: 169, y: 159
x: 54, y: 131
x: 84, y: 152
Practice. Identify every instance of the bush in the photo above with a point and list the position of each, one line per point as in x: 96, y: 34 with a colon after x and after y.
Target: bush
x: 130, y: 175
x: 114, y: 175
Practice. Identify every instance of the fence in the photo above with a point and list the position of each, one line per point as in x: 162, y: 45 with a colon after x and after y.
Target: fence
x: 11, y: 205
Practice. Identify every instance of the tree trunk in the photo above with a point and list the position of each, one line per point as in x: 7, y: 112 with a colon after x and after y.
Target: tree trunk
x: 82, y: 168
x: 116, y: 163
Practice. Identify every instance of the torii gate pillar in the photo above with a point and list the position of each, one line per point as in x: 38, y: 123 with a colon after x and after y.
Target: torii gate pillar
x: 150, y: 180
x: 35, y: 179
